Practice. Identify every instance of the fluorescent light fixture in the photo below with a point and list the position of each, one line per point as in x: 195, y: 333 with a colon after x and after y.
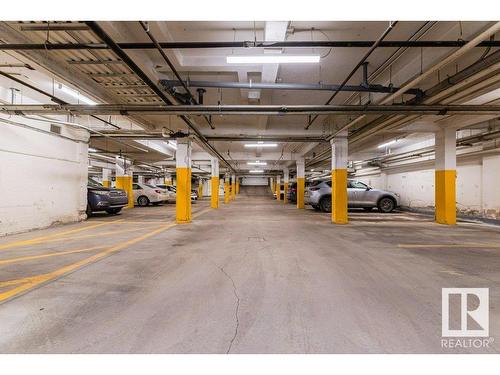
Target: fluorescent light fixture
x: 92, y: 149
x: 387, y: 144
x: 256, y: 171
x: 172, y: 144
x: 256, y: 163
x: 273, y: 59
x: 261, y: 144
x: 75, y: 94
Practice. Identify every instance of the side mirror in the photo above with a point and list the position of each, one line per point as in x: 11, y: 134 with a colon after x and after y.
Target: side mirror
x: 368, y: 188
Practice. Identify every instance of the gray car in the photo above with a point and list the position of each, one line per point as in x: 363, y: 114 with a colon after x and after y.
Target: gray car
x: 359, y: 195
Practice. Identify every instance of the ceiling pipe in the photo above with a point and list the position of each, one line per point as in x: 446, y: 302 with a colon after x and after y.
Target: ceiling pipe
x: 250, y: 44
x: 97, y: 30
x: 271, y: 110
x: 361, y: 62
x: 145, y: 27
x: 52, y: 97
x: 442, y: 63
x: 286, y: 86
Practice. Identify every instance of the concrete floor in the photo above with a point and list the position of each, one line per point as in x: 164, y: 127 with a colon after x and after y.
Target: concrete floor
x: 254, y: 276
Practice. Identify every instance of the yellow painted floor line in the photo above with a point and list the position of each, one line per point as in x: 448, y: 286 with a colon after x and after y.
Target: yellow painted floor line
x: 110, y: 233
x: 47, y: 255
x: 472, y: 245
x: 35, y: 281
x: 37, y: 240
x: 28, y: 283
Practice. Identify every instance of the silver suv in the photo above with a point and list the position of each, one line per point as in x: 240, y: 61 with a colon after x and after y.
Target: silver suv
x: 359, y: 195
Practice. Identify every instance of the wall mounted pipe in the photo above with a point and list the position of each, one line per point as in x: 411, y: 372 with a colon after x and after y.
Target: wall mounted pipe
x: 276, y: 110
x: 249, y: 44
x: 286, y: 86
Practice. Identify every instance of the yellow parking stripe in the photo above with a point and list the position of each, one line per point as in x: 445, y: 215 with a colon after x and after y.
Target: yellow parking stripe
x: 47, y: 255
x: 41, y: 279
x: 55, y: 235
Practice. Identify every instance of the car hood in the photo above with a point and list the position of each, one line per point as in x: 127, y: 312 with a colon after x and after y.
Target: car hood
x: 102, y: 188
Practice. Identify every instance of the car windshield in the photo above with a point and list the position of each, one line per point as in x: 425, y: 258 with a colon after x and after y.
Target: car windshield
x: 317, y: 182
x: 93, y: 183
x: 151, y: 186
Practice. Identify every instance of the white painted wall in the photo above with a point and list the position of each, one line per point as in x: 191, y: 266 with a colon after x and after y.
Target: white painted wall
x: 255, y: 181
x: 43, y: 177
x: 477, y: 187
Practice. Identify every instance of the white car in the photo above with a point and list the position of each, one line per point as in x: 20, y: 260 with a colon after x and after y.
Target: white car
x: 173, y: 190
x: 145, y: 194
x: 169, y: 190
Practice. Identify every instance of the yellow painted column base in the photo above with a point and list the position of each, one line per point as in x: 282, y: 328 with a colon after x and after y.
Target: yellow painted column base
x: 445, y: 197
x: 339, y: 196
x: 233, y: 190
x: 200, y: 191
x: 301, y: 184
x: 285, y: 192
x: 183, y: 196
x: 125, y: 183
x: 214, y: 198
x: 106, y: 183
x: 278, y: 193
x: 237, y: 188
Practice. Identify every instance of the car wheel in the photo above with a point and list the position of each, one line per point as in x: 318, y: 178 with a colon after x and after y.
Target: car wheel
x: 325, y: 204
x: 368, y: 208
x: 386, y: 205
x: 88, y: 211
x: 113, y: 211
x: 143, y: 201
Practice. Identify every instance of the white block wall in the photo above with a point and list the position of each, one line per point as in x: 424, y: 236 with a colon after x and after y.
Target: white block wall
x: 255, y: 181
x: 43, y: 178
x: 478, y: 186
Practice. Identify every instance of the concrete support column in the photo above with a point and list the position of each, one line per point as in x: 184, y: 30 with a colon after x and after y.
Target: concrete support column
x: 106, y: 177
x: 339, y: 178
x: 445, y: 176
x: 278, y: 188
x: 124, y: 179
x: 214, y: 197
x: 237, y: 185
x: 271, y: 184
x: 301, y: 182
x: 183, y: 173
x: 233, y: 186
x: 286, y: 178
x: 226, y: 189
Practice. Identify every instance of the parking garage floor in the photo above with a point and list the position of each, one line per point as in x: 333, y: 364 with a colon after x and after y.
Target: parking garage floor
x: 255, y: 276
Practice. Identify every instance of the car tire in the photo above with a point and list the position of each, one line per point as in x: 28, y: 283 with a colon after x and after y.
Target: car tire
x: 143, y: 201
x: 325, y: 204
x: 88, y: 211
x: 368, y: 209
x: 386, y: 205
x: 113, y: 211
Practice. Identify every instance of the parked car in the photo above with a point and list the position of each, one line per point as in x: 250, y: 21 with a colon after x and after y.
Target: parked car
x: 100, y: 198
x: 291, y: 195
x: 173, y: 189
x: 167, y: 189
x: 144, y: 194
x: 359, y: 195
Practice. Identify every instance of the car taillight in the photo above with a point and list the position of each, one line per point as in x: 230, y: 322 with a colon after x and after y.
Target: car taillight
x: 314, y: 188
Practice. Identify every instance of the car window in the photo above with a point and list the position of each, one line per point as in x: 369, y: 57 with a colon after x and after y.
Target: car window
x: 136, y: 187
x: 151, y: 186
x: 93, y: 183
x: 329, y: 183
x: 357, y: 185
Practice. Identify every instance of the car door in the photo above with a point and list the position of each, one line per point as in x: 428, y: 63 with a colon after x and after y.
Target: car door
x: 360, y: 192
x: 137, y: 191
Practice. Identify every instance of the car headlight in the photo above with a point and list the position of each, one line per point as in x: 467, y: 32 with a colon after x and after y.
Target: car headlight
x: 101, y: 192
